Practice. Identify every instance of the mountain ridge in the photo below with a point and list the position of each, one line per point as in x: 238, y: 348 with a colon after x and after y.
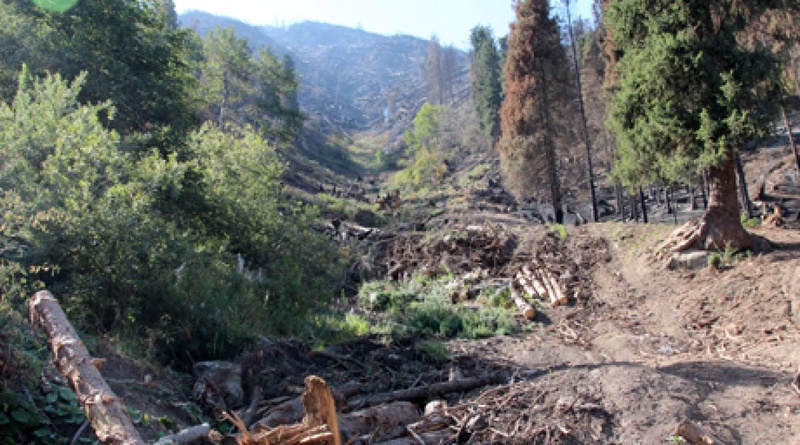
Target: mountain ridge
x: 350, y: 79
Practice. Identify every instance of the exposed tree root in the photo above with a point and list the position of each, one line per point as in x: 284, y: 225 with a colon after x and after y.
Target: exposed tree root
x: 708, y: 233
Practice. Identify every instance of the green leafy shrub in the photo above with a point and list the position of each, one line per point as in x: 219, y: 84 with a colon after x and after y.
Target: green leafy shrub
x: 750, y: 223
x: 194, y: 256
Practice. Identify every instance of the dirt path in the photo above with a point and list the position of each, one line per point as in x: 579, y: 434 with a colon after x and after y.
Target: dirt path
x: 654, y: 347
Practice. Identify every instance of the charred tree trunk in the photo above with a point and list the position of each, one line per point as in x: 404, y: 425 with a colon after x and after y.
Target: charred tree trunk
x: 791, y: 140
x: 582, y: 108
x: 668, y: 199
x: 634, y: 210
x: 744, y: 196
x: 644, y: 205
x: 550, y: 152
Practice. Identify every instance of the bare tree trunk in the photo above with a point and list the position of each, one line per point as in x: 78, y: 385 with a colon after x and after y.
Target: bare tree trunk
x: 744, y: 196
x: 634, y: 210
x: 584, y: 123
x: 620, y: 200
x: 722, y: 217
x: 705, y: 189
x: 102, y: 407
x: 791, y: 140
x: 644, y: 205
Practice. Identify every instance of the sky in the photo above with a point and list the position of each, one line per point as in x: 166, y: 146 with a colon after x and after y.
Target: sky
x: 450, y: 20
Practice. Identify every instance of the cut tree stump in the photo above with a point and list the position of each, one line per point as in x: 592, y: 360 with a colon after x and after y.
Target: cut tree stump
x: 102, y: 407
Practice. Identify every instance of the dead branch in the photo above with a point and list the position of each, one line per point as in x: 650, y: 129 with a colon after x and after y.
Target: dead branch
x: 102, y: 407
x: 422, y: 391
x: 249, y: 413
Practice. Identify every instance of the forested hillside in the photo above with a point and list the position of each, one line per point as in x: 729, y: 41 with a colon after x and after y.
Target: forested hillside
x: 576, y: 231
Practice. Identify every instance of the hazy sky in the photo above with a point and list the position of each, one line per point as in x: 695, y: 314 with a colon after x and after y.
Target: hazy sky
x: 450, y: 20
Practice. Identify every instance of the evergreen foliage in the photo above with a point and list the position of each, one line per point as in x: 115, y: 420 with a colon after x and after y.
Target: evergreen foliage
x: 486, y: 87
x: 134, y: 56
x: 689, y: 93
x: 244, y: 89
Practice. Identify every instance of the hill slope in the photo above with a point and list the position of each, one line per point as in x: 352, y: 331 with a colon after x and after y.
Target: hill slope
x: 350, y: 79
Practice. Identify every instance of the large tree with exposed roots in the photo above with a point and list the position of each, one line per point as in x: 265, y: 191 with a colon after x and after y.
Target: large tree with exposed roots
x: 689, y: 95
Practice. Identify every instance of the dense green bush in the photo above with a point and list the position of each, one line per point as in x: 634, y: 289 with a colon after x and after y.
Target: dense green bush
x: 113, y: 237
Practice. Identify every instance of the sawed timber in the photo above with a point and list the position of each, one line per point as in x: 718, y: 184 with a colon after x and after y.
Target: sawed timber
x: 102, y: 407
x: 524, y: 307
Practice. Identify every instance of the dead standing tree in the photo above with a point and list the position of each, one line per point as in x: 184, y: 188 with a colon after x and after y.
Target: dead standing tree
x: 537, y: 74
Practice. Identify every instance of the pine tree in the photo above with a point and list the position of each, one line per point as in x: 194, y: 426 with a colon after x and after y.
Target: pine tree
x: 486, y: 88
x: 689, y: 96
x: 535, y: 107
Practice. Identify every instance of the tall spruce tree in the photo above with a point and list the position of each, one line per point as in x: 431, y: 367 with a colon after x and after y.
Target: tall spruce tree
x: 487, y: 90
x: 688, y: 96
x: 536, y: 106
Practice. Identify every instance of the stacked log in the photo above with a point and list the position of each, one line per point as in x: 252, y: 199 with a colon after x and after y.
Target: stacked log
x: 540, y: 283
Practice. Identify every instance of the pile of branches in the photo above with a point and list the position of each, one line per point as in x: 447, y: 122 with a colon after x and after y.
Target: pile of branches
x: 457, y: 250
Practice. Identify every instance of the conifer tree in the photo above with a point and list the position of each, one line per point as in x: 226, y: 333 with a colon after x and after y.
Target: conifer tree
x: 690, y: 95
x: 536, y: 106
x: 486, y: 87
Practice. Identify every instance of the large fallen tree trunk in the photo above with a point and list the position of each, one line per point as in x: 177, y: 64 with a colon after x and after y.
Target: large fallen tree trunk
x: 103, y: 409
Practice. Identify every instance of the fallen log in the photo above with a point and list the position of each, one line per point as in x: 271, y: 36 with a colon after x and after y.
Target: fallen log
x: 103, y: 408
x: 524, y: 307
x: 431, y: 438
x: 693, y: 434
x: 422, y: 391
x: 554, y: 291
x: 535, y: 282
x: 186, y: 436
x: 383, y: 422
